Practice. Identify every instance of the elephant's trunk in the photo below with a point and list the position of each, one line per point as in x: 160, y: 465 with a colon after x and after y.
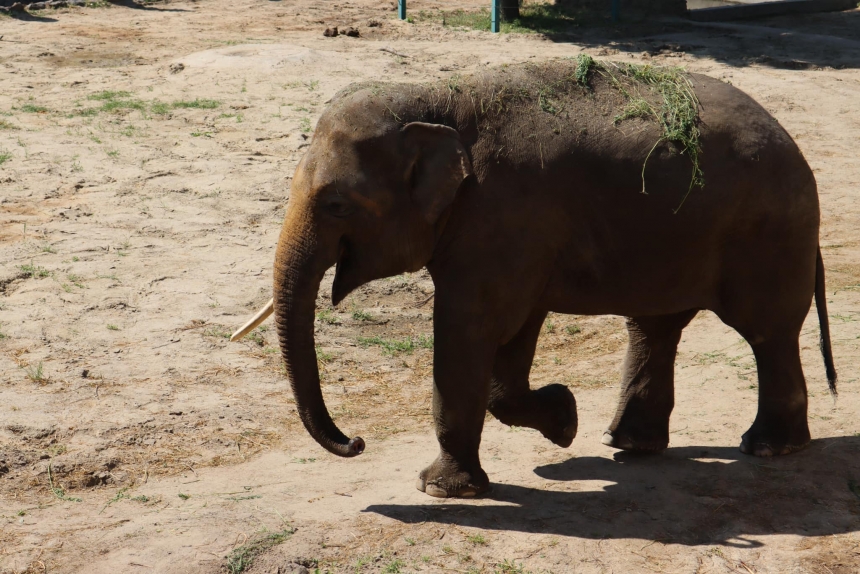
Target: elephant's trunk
x: 299, y: 268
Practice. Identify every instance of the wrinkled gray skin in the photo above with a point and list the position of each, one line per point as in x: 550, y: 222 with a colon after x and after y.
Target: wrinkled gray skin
x: 520, y: 200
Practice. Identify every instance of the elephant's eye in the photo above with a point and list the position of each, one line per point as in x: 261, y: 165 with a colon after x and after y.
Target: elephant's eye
x: 338, y: 206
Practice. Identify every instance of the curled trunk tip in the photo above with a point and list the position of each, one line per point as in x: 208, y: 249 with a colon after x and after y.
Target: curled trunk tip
x: 355, y: 446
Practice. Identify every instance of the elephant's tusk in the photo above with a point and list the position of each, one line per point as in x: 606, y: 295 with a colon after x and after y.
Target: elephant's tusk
x: 255, y: 320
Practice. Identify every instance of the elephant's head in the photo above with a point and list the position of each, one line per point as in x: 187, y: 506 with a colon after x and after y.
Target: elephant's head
x: 368, y: 197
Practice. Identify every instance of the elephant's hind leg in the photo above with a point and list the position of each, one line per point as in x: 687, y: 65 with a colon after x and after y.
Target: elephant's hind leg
x: 780, y: 427
x: 550, y: 409
x: 641, y: 422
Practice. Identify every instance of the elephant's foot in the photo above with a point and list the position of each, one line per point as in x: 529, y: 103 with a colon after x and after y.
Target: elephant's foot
x: 550, y: 410
x: 637, y: 443
x: 758, y: 442
x: 444, y: 480
x: 560, y: 422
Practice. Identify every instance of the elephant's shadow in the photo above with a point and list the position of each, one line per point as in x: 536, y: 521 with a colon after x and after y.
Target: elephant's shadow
x: 679, y: 496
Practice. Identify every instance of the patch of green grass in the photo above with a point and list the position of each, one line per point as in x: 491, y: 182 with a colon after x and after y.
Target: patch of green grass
x: 113, y: 101
x: 112, y: 327
x: 198, y: 103
x: 509, y: 567
x: 34, y: 109
x: 391, y: 347
x: 109, y: 95
x: 241, y: 558
x: 4, y: 125
x: 257, y: 338
x: 31, y: 270
x: 239, y: 117
x: 35, y: 374
x: 477, y: 539
x: 549, y: 326
x: 113, y: 153
x: 2, y: 334
x: 159, y: 108
x: 327, y: 316
x: 115, y: 105
x: 636, y: 108
x: 4, y: 157
x: 584, y: 63
x: 142, y: 498
x: 130, y: 131
x: 361, y: 315
x: 324, y: 357
x: 85, y: 112
x: 217, y: 331
x: 76, y: 280
x: 184, y: 496
x: 572, y: 329
x: 394, y: 567
x: 305, y: 125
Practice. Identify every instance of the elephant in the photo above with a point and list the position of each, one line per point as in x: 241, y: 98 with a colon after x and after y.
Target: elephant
x: 537, y: 188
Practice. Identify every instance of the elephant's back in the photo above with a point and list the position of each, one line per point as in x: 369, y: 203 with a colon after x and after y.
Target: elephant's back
x: 612, y: 130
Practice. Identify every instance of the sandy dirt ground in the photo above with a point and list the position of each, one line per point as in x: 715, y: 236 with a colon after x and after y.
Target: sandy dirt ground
x: 145, y: 161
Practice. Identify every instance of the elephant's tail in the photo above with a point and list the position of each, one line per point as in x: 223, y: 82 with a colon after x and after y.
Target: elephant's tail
x: 824, y: 323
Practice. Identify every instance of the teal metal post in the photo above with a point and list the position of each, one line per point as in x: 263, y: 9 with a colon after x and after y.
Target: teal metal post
x: 495, y: 17
x: 616, y: 10
x: 401, y: 7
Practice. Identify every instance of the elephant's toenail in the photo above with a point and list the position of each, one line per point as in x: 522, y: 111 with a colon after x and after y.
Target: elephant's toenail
x: 435, y: 491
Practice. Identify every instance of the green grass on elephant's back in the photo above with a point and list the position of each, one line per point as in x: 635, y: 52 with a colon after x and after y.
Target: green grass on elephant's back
x: 678, y: 114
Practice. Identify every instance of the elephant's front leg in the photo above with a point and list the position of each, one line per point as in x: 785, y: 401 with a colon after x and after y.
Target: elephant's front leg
x: 550, y: 409
x: 462, y: 363
x: 641, y: 422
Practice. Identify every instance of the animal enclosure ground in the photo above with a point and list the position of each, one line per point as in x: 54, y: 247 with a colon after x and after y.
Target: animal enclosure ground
x: 145, y: 161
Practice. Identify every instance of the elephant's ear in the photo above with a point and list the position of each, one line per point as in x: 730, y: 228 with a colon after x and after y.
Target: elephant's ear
x: 438, y: 165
